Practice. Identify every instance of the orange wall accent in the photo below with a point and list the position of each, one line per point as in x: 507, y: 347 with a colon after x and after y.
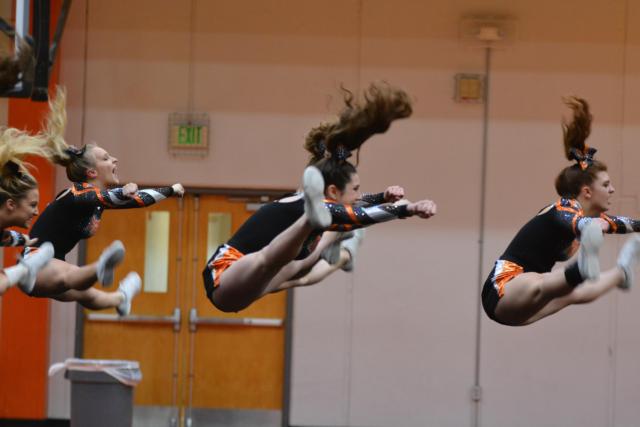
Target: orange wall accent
x: 24, y: 327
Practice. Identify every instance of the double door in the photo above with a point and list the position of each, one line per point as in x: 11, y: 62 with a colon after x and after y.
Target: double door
x: 200, y: 366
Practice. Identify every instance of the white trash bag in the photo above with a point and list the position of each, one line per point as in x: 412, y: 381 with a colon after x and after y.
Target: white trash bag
x: 126, y: 371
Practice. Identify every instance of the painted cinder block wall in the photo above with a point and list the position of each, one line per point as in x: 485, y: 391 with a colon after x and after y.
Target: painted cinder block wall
x: 394, y: 343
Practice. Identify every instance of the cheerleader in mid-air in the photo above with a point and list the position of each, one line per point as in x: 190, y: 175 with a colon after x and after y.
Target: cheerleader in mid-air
x: 522, y: 288
x: 283, y: 240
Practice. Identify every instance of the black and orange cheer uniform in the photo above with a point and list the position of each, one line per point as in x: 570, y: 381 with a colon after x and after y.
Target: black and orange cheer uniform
x: 75, y: 213
x: 11, y: 238
x: 275, y: 217
x: 547, y: 238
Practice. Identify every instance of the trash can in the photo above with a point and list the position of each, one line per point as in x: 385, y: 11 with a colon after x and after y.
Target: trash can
x: 101, y: 391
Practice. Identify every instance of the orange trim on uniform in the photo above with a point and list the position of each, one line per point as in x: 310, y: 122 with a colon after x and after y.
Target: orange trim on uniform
x: 573, y: 208
x: 505, y: 271
x: 351, y: 214
x: 138, y: 199
x: 340, y: 227
x: 612, y: 224
x: 562, y: 208
x: 30, y: 250
x: 227, y: 256
x: 88, y: 189
x: 99, y: 195
x: 79, y: 192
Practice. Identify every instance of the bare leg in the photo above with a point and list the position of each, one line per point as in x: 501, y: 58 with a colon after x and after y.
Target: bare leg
x: 92, y: 298
x: 297, y: 268
x: 321, y: 270
x: 60, y: 276
x: 245, y: 281
x: 528, y: 293
x: 531, y: 296
x: 582, y: 294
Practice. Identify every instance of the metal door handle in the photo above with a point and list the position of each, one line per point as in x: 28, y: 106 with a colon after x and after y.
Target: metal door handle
x: 265, y: 322
x: 174, y: 319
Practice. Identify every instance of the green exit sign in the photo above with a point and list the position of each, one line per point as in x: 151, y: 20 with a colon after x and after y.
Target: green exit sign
x: 189, y: 132
x: 189, y: 136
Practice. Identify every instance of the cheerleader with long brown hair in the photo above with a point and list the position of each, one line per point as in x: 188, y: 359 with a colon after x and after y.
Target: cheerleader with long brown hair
x: 284, y: 239
x: 522, y: 288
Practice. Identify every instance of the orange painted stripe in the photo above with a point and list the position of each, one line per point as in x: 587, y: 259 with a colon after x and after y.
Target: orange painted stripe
x: 24, y: 326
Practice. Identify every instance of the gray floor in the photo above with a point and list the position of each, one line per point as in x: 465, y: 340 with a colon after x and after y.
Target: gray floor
x: 157, y: 416
x: 154, y: 416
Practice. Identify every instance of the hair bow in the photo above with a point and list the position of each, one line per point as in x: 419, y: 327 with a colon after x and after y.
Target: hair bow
x: 584, y: 158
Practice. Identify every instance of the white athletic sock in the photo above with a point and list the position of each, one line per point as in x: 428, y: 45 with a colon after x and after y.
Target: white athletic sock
x: 109, y: 259
x: 317, y: 213
x: 129, y: 287
x: 15, y: 274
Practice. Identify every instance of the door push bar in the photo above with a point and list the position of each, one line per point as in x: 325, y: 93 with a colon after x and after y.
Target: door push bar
x: 174, y: 319
x: 263, y: 322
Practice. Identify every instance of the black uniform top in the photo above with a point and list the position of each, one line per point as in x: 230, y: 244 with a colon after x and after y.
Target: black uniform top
x: 275, y: 217
x: 75, y: 213
x: 550, y: 236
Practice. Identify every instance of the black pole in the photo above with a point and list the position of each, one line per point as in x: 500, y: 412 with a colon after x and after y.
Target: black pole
x: 41, y: 17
